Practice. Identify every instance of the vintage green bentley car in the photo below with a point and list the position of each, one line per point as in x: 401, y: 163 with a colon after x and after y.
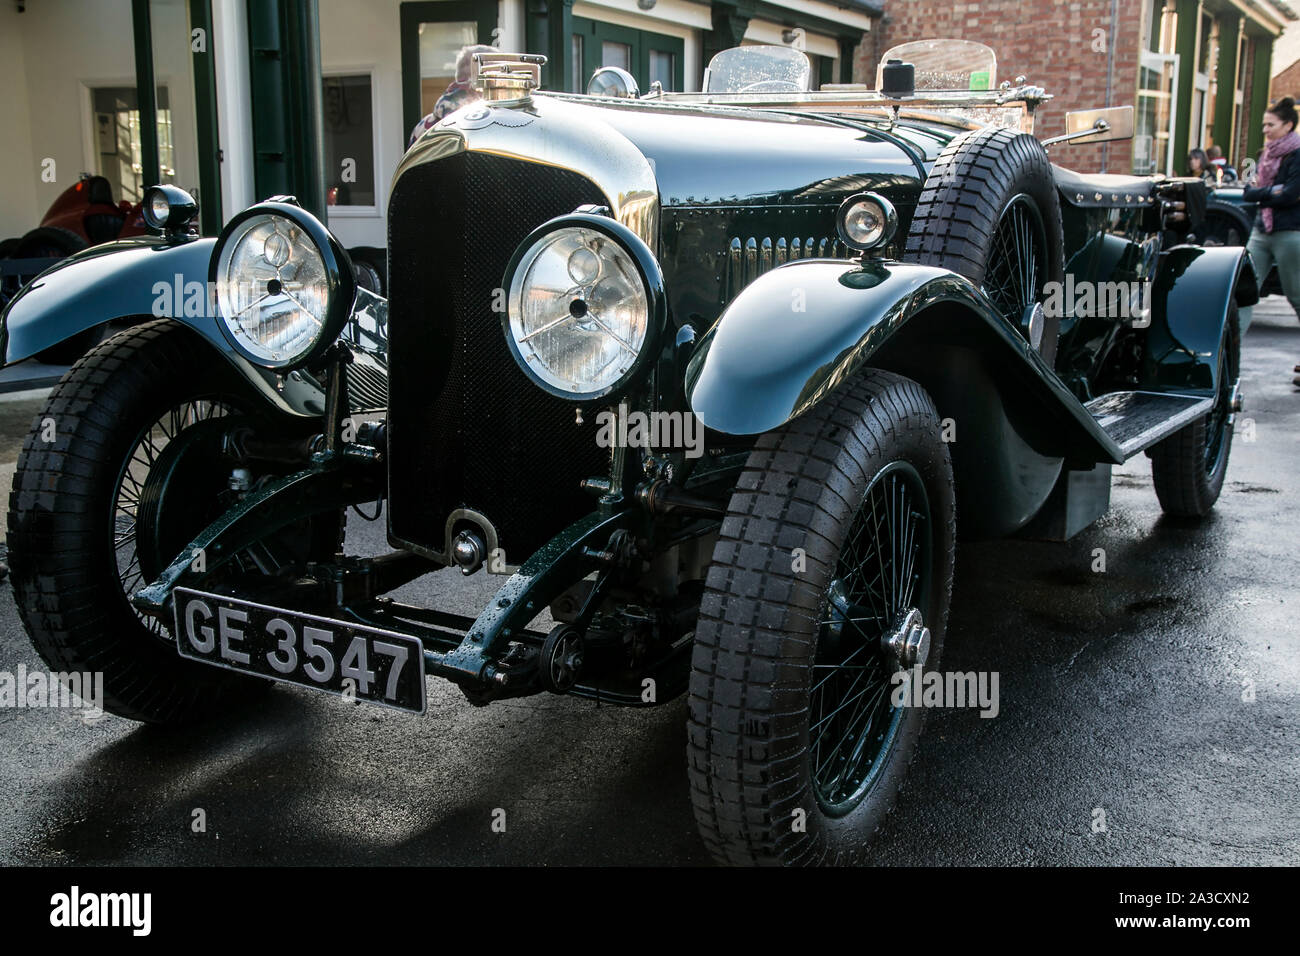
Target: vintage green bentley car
x: 713, y: 379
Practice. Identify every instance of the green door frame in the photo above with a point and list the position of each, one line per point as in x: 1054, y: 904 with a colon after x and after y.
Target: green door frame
x: 205, y: 107
x: 641, y: 42
x: 1226, y: 79
x: 1259, y: 93
x: 146, y: 92
x: 1185, y: 46
x: 288, y: 119
x: 412, y: 14
x: 205, y: 112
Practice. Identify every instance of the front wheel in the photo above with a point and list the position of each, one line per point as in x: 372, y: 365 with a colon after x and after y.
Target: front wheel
x: 832, y: 573
x: 122, y: 469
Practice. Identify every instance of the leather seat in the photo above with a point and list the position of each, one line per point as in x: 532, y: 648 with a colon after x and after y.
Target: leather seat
x: 1103, y: 189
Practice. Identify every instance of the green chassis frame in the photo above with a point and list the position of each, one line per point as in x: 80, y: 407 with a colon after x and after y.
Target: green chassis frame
x: 463, y: 650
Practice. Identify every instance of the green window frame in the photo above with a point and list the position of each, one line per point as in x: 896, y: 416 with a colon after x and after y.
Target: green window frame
x: 641, y: 43
x: 415, y: 12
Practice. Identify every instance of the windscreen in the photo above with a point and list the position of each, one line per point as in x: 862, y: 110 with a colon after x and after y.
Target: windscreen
x: 946, y: 64
x: 758, y: 69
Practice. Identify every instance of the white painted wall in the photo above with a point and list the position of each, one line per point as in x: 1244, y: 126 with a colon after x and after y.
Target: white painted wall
x: 234, y: 105
x: 364, y: 36
x: 67, y: 48
x: 18, y: 171
x: 765, y: 31
x: 51, y: 56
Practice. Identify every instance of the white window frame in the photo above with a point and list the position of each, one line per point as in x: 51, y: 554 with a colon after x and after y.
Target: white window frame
x: 381, y: 200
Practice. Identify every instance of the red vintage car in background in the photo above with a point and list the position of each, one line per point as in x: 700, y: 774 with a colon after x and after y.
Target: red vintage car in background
x: 83, y: 215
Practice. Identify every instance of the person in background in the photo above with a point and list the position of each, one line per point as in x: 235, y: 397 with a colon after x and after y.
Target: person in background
x: 1198, y: 164
x: 1275, y: 239
x: 1223, y: 173
x: 460, y: 93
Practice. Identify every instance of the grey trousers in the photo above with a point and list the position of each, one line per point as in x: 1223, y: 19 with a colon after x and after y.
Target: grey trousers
x: 1283, y: 250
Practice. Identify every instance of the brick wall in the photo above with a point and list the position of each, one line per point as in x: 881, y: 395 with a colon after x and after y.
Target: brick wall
x: 1286, y: 83
x: 1053, y: 43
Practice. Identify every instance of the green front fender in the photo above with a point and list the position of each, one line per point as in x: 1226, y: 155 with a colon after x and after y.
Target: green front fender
x: 1190, y: 298
x: 135, y: 279
x: 796, y: 333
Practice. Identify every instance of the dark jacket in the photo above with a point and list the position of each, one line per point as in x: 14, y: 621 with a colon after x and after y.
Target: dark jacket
x: 1283, y: 197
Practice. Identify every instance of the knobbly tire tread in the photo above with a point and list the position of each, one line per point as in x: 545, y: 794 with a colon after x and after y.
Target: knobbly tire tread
x: 61, y: 586
x: 976, y: 174
x: 756, y: 634
x: 1182, y: 485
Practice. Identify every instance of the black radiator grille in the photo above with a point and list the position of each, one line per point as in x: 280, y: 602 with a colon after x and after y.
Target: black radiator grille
x: 467, y: 428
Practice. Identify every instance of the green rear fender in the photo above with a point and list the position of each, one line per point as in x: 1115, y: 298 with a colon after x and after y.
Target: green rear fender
x: 132, y: 280
x: 1189, y: 306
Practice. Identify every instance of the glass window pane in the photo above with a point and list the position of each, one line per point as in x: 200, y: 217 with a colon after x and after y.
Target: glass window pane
x: 577, y: 82
x: 616, y: 54
x: 663, y: 68
x: 349, y: 141
x: 439, y: 45
x: 117, y: 138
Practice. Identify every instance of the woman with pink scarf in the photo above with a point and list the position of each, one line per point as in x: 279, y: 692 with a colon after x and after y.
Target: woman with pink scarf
x: 1275, y: 240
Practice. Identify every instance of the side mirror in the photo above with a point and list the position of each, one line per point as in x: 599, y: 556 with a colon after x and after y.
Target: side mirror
x: 1096, y: 126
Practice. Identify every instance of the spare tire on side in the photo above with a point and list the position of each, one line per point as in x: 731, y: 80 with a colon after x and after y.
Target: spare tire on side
x: 989, y: 211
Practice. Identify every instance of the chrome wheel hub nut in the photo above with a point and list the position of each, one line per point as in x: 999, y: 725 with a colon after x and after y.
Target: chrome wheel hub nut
x: 907, y: 643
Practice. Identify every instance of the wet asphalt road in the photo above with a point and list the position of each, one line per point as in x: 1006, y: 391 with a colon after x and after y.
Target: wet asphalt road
x: 1121, y: 691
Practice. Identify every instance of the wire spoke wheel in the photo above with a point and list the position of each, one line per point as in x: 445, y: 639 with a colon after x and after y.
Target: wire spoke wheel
x: 792, y: 716
x: 990, y: 211
x: 130, y: 490
x: 882, y: 573
x: 1188, y: 468
x: 1018, y: 260
x: 1216, y: 423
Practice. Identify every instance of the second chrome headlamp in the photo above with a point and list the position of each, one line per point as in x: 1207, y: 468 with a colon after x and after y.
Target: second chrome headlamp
x: 585, y: 304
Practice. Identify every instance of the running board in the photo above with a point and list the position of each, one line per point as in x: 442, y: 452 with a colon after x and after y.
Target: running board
x: 1137, y: 420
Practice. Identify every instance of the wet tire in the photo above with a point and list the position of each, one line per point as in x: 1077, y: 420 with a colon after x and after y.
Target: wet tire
x: 48, y: 242
x: 371, y: 267
x: 1188, y: 468
x: 768, y: 663
x: 981, y: 182
x: 1224, y: 225
x: 68, y: 525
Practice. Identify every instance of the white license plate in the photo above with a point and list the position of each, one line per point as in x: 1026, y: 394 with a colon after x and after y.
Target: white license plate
x: 353, y: 660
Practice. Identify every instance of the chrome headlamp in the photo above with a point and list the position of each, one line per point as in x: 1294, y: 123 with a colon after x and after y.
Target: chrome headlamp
x: 585, y: 306
x: 168, y: 209
x: 284, y: 285
x: 866, y: 221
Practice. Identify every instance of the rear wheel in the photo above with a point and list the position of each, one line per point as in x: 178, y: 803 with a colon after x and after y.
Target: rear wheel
x: 989, y: 211
x: 797, y: 749
x: 1188, y: 467
x: 1223, y: 225
x: 121, y: 470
